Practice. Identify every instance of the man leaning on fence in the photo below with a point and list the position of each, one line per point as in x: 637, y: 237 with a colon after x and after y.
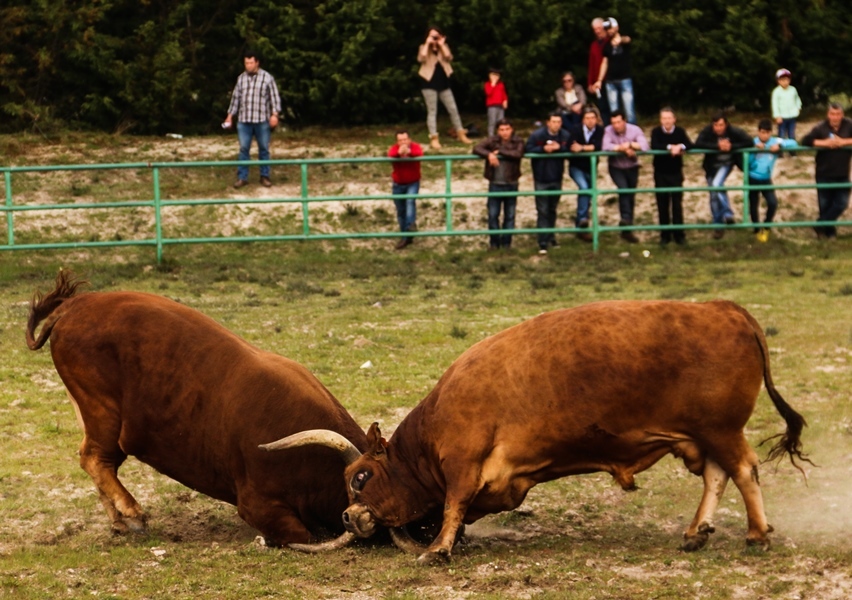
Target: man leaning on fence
x: 256, y: 105
x: 547, y: 174
x: 725, y: 138
x: 624, y: 138
x: 502, y: 154
x: 406, y: 182
x: 833, y: 137
x: 668, y: 173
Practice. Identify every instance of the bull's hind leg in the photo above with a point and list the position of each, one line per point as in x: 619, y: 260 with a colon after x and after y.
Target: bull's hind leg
x: 740, y: 462
x: 102, y: 466
x: 715, y: 480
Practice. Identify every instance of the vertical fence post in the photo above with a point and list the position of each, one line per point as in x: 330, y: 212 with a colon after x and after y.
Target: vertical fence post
x: 594, y: 208
x: 10, y: 227
x: 306, y: 228
x: 746, y: 189
x: 158, y: 221
x: 448, y: 201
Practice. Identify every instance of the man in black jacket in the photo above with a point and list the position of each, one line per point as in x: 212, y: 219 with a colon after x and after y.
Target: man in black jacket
x: 724, y: 137
x: 834, y: 138
x: 547, y: 174
x: 585, y: 137
x: 502, y: 154
x: 668, y: 172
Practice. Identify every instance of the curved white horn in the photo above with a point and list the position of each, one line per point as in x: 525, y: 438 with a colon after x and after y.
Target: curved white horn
x: 405, y: 542
x: 322, y: 437
x: 336, y: 544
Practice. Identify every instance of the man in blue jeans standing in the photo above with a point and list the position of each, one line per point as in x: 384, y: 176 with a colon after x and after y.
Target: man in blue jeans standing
x: 502, y: 154
x: 586, y: 137
x: 256, y: 104
x: 406, y: 182
x: 725, y: 138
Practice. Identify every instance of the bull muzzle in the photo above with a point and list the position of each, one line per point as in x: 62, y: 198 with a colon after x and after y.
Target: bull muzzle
x: 359, y: 520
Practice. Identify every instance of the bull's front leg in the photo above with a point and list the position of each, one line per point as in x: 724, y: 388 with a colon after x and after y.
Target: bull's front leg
x: 441, y: 547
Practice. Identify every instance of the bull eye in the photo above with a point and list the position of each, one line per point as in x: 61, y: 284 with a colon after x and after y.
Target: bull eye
x: 360, y: 478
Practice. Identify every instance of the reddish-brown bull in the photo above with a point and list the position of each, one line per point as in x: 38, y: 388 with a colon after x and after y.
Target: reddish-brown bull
x: 610, y: 386
x: 157, y: 380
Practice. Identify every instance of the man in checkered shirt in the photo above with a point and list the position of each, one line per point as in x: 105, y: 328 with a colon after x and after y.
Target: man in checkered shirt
x: 256, y: 104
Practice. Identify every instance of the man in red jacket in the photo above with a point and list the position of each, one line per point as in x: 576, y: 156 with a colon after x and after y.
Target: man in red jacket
x: 406, y: 183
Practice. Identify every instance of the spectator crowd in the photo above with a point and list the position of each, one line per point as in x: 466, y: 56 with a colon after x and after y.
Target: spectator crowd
x: 601, y: 117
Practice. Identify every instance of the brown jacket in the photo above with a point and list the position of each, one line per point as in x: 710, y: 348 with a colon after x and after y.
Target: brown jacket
x: 511, y: 151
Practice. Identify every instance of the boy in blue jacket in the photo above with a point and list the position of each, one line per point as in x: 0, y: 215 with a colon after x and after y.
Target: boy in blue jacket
x: 760, y: 166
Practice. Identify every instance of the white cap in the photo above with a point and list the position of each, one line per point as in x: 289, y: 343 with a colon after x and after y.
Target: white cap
x: 610, y: 23
x: 781, y: 73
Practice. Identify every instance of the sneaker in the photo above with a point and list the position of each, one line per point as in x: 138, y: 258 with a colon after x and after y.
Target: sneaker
x: 265, y: 182
x: 240, y: 183
x: 762, y: 235
x: 542, y: 251
x: 402, y: 244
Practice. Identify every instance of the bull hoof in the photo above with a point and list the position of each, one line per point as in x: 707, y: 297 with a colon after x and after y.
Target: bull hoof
x: 758, y: 544
x: 127, y: 525
x: 695, y: 542
x: 429, y: 559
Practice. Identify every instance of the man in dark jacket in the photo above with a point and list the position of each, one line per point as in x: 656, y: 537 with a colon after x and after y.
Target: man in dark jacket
x: 502, y: 154
x: 834, y: 139
x: 585, y: 137
x: 725, y: 138
x: 668, y: 173
x: 547, y: 174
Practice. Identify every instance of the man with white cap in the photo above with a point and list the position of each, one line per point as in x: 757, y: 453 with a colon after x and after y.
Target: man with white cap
x: 616, y: 72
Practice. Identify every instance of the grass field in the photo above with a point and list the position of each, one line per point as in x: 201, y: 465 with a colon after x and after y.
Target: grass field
x: 335, y: 306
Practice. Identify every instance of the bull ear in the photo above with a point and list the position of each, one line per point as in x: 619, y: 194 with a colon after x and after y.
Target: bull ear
x: 376, y: 444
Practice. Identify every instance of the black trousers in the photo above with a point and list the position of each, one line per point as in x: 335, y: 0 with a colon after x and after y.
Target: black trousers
x: 670, y: 205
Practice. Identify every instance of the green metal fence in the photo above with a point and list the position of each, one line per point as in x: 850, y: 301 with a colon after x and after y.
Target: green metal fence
x: 158, y: 204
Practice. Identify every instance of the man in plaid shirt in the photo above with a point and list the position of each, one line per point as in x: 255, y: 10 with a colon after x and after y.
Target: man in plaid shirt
x: 256, y: 104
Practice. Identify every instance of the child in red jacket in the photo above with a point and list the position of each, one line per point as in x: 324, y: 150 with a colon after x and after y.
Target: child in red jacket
x: 496, y: 100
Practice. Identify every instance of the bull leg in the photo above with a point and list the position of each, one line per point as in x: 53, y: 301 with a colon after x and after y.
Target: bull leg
x: 460, y: 495
x: 715, y: 480
x: 278, y: 524
x: 740, y: 461
x: 102, y: 467
x: 746, y: 479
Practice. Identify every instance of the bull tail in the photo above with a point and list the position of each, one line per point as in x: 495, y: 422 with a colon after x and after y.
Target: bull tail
x: 43, y: 307
x: 790, y: 441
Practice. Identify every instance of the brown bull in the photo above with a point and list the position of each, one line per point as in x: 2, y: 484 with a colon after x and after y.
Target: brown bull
x: 153, y: 379
x: 611, y: 386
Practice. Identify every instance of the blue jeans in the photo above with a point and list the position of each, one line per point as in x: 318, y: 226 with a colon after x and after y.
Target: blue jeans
x: 832, y: 203
x: 545, y: 207
x: 583, y: 179
x: 787, y: 129
x: 509, y: 204
x: 624, y: 89
x: 261, y: 132
x: 720, y: 206
x: 406, y: 209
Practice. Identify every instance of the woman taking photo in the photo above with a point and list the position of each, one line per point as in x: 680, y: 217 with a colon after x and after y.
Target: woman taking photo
x: 435, y: 57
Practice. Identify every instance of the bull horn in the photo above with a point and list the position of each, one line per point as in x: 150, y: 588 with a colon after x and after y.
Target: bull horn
x: 336, y: 544
x: 405, y: 542
x: 322, y: 437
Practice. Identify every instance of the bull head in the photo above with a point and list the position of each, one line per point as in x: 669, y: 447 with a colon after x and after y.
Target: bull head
x: 370, y: 470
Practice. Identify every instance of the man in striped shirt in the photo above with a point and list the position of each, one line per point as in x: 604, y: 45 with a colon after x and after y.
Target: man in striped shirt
x: 256, y: 105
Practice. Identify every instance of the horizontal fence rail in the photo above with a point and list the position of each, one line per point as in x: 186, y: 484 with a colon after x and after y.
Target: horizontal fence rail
x: 306, y: 200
